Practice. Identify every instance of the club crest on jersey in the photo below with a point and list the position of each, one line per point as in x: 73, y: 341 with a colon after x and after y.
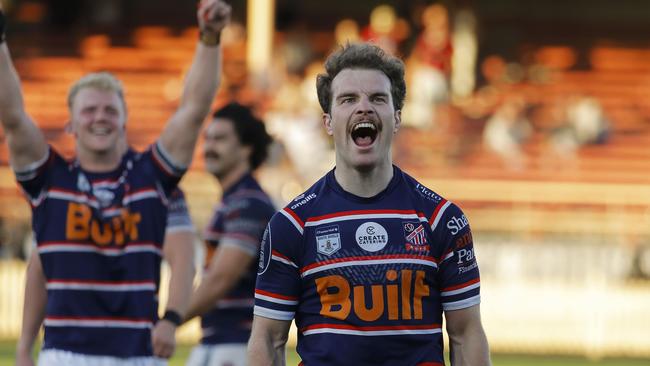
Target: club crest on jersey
x: 104, y: 196
x: 82, y: 183
x: 328, y: 240
x: 371, y: 237
x: 415, y: 237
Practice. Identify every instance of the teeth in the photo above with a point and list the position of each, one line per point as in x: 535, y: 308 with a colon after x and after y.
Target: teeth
x: 364, y: 125
x: 100, y: 130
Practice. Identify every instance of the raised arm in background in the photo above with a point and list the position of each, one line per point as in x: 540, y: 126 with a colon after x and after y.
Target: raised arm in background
x: 26, y: 141
x: 181, y: 132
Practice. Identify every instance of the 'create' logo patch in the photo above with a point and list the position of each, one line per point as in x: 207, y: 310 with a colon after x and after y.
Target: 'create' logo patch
x: 371, y: 237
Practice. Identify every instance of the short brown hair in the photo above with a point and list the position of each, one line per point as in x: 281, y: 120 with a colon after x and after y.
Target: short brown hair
x: 104, y: 81
x: 361, y: 56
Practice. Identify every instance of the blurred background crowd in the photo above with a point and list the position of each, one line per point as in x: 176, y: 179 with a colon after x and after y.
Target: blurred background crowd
x: 532, y: 116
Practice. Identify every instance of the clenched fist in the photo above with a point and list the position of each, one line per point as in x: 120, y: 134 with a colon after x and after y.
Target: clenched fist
x: 213, y: 16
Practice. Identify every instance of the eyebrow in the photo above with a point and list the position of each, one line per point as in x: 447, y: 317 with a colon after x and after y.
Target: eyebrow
x: 346, y: 95
x: 379, y: 94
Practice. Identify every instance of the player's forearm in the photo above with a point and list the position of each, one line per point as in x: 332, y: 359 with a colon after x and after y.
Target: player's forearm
x: 33, y: 306
x: 262, y: 352
x: 180, y: 285
x: 266, y: 345
x: 201, y: 83
x: 470, y: 349
x: 211, y: 289
x: 12, y: 110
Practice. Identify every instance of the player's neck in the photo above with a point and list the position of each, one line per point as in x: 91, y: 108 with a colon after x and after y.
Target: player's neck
x: 362, y: 182
x: 233, y: 176
x: 99, y: 162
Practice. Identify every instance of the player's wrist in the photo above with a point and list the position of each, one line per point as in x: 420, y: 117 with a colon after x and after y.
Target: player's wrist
x: 3, y: 26
x: 173, y: 317
x: 24, y: 348
x: 209, y: 38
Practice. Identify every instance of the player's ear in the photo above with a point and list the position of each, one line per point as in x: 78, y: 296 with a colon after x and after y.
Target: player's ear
x: 327, y: 122
x: 398, y: 120
x: 248, y: 151
x: 68, y: 128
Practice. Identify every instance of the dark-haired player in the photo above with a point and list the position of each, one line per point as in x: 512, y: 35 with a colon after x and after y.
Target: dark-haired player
x: 235, y: 144
x: 367, y: 260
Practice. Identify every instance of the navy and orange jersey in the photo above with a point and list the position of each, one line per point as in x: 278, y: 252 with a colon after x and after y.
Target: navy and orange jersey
x: 238, y: 221
x: 367, y: 279
x: 100, y: 237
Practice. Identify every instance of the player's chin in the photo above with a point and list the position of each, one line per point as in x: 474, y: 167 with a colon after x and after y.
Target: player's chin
x: 365, y: 164
x: 212, y: 167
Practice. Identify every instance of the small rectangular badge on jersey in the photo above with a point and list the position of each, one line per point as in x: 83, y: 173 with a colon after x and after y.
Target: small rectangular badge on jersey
x: 415, y: 237
x: 328, y: 239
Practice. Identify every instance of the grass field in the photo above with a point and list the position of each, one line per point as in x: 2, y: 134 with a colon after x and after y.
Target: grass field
x: 7, y: 359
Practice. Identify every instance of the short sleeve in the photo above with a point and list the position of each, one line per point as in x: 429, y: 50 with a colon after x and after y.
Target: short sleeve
x: 178, y: 215
x: 244, y: 223
x: 278, y: 280
x: 34, y: 179
x: 458, y: 269
x: 166, y: 172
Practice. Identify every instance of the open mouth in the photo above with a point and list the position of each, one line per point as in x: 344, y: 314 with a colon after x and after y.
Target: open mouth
x: 364, y: 134
x: 210, y: 155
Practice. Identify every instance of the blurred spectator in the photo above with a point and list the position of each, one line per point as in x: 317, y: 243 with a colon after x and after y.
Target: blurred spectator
x: 294, y: 120
x: 428, y: 68
x: 582, y: 122
x: 386, y: 30
x: 464, y: 57
x: 347, y: 30
x: 507, y: 130
x: 433, y: 45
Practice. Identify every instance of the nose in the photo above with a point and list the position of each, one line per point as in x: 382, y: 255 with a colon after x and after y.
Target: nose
x: 101, y: 115
x: 364, y: 106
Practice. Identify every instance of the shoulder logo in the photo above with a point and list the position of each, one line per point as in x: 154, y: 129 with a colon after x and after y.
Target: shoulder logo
x: 427, y: 193
x: 301, y: 200
x: 371, y: 237
x: 265, y: 252
x: 328, y: 240
x: 457, y: 224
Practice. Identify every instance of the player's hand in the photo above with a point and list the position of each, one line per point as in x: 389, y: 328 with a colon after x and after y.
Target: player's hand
x: 24, y: 359
x: 163, y: 339
x: 213, y: 15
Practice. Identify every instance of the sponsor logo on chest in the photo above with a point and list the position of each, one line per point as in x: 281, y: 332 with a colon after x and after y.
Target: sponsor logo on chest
x: 328, y: 240
x: 371, y: 236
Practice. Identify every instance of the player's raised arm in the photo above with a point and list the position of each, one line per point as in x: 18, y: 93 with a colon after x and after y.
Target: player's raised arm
x: 180, y: 134
x: 26, y: 142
